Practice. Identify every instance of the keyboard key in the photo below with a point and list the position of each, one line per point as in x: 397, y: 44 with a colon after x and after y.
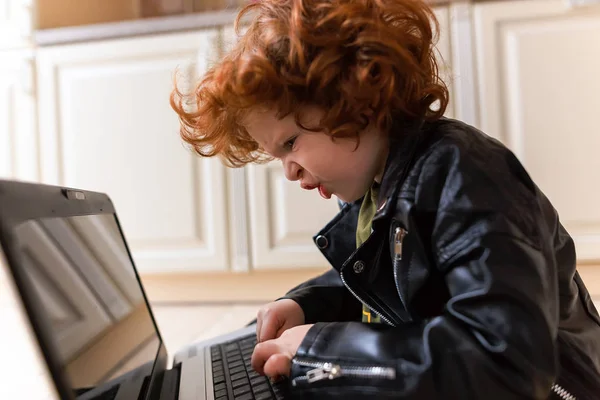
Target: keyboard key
x: 241, y: 390
x: 236, y: 364
x: 253, y: 374
x: 239, y: 368
x: 237, y: 376
x: 260, y: 387
x: 220, y: 393
x: 239, y: 382
x: 264, y: 396
x: 246, y: 396
x: 218, y: 378
x: 257, y: 380
x: 222, y: 398
x: 220, y: 386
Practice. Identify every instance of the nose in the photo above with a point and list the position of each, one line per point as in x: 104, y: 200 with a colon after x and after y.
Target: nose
x: 293, y: 170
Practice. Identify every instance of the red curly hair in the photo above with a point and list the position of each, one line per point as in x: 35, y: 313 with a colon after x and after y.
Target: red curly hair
x: 360, y: 61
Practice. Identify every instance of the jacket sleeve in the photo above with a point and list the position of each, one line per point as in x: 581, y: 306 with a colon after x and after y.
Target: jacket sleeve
x: 495, y: 339
x: 325, y: 299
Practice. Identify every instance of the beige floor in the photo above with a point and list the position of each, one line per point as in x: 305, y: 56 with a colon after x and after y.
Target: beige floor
x: 181, y: 324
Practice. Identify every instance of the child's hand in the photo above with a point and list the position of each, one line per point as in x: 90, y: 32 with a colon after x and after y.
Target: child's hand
x: 274, y: 357
x: 275, y: 318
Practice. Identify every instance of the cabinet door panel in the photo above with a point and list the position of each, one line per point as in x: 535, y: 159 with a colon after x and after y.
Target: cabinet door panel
x: 538, y: 64
x: 106, y: 125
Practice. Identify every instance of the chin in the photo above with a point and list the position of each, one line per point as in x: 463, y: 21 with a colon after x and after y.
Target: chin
x: 349, y: 198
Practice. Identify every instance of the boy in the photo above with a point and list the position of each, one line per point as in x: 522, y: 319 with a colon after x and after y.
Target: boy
x: 452, y: 275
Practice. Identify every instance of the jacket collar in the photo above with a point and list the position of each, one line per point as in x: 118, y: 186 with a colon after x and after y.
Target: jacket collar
x: 405, y: 138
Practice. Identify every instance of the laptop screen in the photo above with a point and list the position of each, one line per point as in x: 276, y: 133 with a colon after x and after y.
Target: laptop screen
x: 87, y: 287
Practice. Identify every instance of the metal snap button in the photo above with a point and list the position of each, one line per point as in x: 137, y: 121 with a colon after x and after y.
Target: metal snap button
x: 322, y: 242
x: 358, y: 267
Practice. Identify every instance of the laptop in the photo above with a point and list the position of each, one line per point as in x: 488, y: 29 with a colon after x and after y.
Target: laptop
x: 73, y: 271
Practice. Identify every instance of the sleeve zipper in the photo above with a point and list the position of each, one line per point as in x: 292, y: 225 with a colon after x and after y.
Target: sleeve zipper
x: 562, y: 393
x: 328, y: 371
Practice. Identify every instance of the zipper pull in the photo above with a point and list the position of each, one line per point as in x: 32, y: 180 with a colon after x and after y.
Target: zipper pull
x: 398, y: 239
x: 327, y: 371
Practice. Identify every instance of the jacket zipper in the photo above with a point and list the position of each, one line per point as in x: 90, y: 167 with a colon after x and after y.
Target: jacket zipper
x: 328, y: 371
x: 562, y: 393
x: 362, y: 301
x: 399, y: 235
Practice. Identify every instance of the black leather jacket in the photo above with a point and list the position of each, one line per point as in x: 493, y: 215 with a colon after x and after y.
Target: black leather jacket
x: 473, y: 274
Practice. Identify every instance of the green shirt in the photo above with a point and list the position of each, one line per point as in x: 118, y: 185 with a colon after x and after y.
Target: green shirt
x: 367, y: 211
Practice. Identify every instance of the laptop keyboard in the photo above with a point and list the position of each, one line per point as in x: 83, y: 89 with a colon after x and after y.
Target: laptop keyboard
x: 233, y: 376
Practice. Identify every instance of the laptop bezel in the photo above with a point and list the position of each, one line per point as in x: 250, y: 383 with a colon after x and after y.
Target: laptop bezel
x: 22, y: 201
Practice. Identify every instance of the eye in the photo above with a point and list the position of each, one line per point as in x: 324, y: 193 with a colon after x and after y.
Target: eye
x: 289, y: 145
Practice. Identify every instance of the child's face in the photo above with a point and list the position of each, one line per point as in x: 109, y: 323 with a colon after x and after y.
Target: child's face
x: 334, y: 167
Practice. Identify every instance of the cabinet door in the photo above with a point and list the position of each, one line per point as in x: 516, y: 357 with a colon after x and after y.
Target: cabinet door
x: 106, y: 125
x: 538, y: 64
x: 18, y: 144
x: 443, y: 51
x: 16, y: 23
x: 283, y: 219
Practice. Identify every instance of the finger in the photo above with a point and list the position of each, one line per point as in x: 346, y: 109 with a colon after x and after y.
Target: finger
x: 261, y: 354
x: 269, y: 326
x: 278, y: 365
x: 258, y: 325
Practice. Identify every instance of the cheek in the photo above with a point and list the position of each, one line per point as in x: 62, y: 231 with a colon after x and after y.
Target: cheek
x: 335, y: 161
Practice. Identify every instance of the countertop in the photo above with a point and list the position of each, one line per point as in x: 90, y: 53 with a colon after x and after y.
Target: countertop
x: 138, y: 27
x: 148, y: 26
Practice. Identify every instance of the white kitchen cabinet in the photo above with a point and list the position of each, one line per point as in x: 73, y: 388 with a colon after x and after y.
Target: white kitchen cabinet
x: 106, y: 125
x: 16, y: 23
x: 538, y: 85
x: 18, y: 119
x: 444, y: 54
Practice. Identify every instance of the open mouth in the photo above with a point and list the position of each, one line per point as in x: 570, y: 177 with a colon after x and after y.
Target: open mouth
x: 322, y: 190
x: 324, y: 193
